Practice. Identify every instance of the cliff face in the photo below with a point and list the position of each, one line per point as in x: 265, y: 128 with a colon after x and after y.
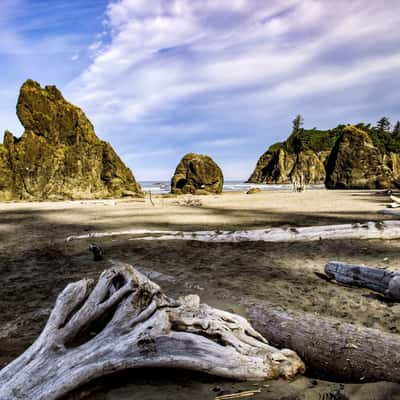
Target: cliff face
x: 311, y: 166
x: 280, y: 166
x: 392, y: 161
x: 276, y: 167
x: 304, y: 153
x: 355, y: 163
x: 261, y: 173
x: 6, y: 177
x: 197, y: 174
x: 59, y: 155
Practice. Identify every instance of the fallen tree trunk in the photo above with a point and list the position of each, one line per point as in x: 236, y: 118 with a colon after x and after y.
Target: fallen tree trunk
x: 390, y: 211
x: 367, y: 230
x: 381, y: 280
x: 331, y: 350
x: 395, y: 199
x: 125, y: 321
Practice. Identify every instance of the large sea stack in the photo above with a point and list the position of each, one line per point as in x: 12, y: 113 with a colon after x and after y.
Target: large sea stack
x: 197, y: 174
x: 304, y: 154
x: 356, y: 163
x: 346, y: 157
x: 59, y: 155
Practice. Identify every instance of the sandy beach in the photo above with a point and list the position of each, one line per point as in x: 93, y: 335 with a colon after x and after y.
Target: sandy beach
x: 37, y: 262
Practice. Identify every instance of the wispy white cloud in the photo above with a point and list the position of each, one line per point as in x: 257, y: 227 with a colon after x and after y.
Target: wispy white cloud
x: 223, y: 142
x: 238, y: 68
x: 171, y: 51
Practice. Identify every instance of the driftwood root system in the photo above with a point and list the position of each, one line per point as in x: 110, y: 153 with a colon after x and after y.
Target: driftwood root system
x: 125, y: 321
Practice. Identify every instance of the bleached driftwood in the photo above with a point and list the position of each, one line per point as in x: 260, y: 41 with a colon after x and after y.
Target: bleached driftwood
x: 141, y: 232
x: 395, y: 199
x: 126, y: 321
x: 332, y: 350
x: 383, y: 281
x: 95, y: 202
x: 367, y: 230
x: 395, y: 202
x: 390, y: 211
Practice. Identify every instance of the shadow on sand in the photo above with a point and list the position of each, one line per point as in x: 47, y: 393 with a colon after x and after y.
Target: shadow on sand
x: 36, y: 263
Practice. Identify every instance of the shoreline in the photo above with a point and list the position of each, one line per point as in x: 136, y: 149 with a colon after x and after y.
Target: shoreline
x: 163, y: 187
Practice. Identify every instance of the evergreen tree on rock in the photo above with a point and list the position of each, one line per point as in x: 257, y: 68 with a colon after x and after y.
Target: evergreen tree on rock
x: 298, y: 123
x: 383, y: 125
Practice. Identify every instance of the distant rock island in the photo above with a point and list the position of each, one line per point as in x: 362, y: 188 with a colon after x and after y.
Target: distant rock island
x: 345, y: 157
x: 197, y: 174
x: 59, y: 155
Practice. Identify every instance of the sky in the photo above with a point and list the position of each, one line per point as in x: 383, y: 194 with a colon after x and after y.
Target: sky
x: 161, y: 78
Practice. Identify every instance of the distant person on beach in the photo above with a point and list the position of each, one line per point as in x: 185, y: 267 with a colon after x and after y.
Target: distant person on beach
x: 298, y: 184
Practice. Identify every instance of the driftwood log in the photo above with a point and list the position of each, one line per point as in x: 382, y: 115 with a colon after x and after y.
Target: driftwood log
x: 395, y: 199
x: 367, y: 230
x: 383, y: 281
x: 125, y: 321
x: 331, y: 350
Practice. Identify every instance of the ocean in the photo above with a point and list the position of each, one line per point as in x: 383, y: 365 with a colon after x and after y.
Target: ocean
x: 158, y: 187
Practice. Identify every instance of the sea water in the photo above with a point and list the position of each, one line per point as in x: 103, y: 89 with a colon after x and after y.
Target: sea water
x: 159, y: 187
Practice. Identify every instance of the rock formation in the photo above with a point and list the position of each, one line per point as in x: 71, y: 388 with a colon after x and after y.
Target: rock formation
x: 311, y: 166
x: 6, y: 178
x: 274, y: 166
x: 355, y: 163
x: 197, y: 174
x: 303, y: 154
x: 392, y: 161
x: 279, y: 166
x: 346, y: 157
x: 59, y: 155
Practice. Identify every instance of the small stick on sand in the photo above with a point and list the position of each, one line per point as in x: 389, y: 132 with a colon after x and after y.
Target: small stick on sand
x: 151, y: 200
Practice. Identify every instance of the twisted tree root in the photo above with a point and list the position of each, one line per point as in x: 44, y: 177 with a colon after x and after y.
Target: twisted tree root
x: 125, y: 321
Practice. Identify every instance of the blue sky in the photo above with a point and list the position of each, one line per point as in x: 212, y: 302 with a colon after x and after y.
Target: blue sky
x: 161, y: 78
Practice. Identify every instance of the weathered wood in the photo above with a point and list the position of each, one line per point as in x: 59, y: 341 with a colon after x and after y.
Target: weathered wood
x: 332, y: 350
x: 125, y: 321
x: 367, y: 230
x: 390, y: 211
x: 395, y: 199
x: 383, y: 281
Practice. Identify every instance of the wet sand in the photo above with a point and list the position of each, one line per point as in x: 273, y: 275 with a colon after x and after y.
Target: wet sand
x: 36, y: 263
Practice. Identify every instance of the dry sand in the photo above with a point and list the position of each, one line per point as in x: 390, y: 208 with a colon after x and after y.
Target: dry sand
x: 36, y: 263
